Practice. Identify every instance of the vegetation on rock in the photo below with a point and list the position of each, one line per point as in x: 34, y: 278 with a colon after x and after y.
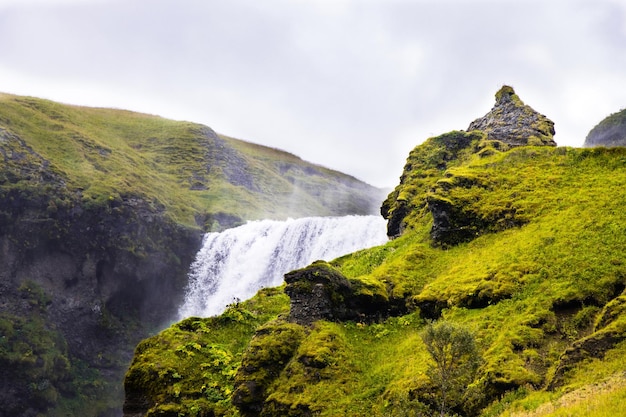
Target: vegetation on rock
x: 611, y: 131
x: 192, y: 367
x: 539, y: 281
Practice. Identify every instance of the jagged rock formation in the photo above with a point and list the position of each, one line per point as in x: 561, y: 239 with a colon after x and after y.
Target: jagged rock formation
x: 512, y: 122
x: 609, y: 132
x: 509, y: 124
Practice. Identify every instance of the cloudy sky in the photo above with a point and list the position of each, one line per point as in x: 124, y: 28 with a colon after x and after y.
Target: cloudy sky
x: 350, y: 84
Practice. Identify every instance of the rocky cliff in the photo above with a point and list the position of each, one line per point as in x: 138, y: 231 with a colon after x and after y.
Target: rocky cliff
x: 611, y: 131
x: 529, y: 264
x: 101, y: 213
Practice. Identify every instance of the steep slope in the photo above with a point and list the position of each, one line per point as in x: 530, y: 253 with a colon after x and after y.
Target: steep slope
x: 101, y: 213
x: 611, y: 131
x: 533, y: 270
x: 198, y: 177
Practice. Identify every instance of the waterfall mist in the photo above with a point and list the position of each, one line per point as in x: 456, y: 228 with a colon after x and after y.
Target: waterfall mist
x: 234, y: 264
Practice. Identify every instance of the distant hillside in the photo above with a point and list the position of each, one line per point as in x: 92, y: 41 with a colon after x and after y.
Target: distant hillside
x: 611, y: 131
x: 518, y: 245
x: 198, y: 177
x: 101, y: 213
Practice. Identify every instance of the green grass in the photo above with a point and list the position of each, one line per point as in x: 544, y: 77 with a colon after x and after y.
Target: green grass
x: 110, y: 155
x: 192, y: 365
x: 597, y: 387
x: 541, y: 276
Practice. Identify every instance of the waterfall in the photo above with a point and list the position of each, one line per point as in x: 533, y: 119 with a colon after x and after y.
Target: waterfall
x: 235, y: 264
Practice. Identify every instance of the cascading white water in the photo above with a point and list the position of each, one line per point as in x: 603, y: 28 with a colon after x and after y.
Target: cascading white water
x: 235, y: 264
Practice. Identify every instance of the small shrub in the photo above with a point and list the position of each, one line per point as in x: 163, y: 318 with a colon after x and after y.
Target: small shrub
x: 455, y: 362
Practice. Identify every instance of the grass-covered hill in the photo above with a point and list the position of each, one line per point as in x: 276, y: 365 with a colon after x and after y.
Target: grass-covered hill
x: 521, y: 248
x: 199, y: 178
x: 101, y: 213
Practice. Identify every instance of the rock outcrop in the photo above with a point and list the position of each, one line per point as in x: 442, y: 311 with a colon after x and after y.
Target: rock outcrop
x: 427, y: 182
x: 512, y: 122
x: 320, y: 292
x: 609, y: 132
x: 424, y: 165
x: 268, y: 353
x: 89, y: 277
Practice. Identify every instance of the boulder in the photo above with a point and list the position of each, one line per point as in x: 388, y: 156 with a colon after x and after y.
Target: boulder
x: 320, y: 292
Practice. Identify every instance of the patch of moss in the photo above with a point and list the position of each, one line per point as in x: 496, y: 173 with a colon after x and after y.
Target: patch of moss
x: 41, y: 376
x: 35, y: 358
x: 190, y: 368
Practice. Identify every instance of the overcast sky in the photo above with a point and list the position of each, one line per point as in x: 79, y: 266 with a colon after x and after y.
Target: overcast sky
x: 352, y: 85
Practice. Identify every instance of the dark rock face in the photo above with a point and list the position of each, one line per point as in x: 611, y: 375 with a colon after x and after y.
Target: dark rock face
x: 609, y: 132
x: 317, y: 292
x: 110, y: 273
x: 103, y: 299
x: 320, y: 292
x: 512, y: 122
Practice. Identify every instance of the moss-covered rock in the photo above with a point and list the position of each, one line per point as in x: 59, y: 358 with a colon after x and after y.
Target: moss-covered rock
x: 512, y: 122
x: 322, y: 359
x: 426, y: 163
x: 268, y: 353
x: 191, y: 367
x: 458, y: 213
x: 610, y: 330
x: 321, y: 292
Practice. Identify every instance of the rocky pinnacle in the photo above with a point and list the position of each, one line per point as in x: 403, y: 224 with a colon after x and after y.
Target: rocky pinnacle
x: 514, y: 123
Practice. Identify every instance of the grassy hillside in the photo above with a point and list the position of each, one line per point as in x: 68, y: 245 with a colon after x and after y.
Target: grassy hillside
x: 537, y: 277
x: 198, y: 177
x: 101, y: 214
